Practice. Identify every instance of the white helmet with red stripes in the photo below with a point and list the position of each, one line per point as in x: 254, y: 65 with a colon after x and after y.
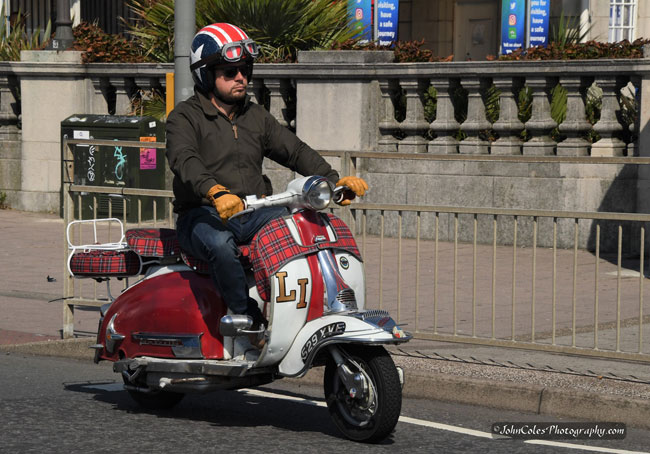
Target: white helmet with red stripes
x: 215, y: 45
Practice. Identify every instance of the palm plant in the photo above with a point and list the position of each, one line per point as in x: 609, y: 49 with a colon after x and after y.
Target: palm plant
x: 281, y: 28
x: 18, y: 39
x: 568, y: 31
x: 154, y: 28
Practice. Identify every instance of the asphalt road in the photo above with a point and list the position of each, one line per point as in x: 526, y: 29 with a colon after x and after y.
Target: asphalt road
x: 59, y: 405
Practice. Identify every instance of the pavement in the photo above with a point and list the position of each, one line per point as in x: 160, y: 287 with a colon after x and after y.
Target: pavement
x: 553, y: 384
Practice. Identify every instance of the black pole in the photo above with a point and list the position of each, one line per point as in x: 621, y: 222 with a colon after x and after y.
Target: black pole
x: 63, y: 30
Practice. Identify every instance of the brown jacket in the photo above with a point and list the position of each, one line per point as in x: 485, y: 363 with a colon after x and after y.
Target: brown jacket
x: 205, y: 148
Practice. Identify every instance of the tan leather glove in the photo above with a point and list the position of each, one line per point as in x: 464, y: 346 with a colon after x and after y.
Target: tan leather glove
x: 224, y: 202
x: 356, y: 184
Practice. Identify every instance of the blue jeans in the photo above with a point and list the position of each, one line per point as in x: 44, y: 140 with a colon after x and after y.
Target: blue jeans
x: 202, y: 233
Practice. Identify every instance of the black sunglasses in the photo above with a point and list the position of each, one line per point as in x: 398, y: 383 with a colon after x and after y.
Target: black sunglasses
x: 231, y: 71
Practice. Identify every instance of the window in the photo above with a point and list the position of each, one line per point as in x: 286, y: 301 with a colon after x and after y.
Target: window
x: 622, y: 18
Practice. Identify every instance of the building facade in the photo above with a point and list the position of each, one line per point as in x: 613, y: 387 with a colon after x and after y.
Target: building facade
x: 471, y: 29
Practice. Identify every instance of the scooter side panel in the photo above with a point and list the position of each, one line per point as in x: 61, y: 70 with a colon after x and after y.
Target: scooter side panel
x: 178, y: 303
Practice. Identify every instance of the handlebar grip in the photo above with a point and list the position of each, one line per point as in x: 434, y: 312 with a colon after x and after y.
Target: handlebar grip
x: 342, y: 193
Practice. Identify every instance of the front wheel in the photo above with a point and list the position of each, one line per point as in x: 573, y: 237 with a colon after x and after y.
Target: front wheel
x: 371, y: 413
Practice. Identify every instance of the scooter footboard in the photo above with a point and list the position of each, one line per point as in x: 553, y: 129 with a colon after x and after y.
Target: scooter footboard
x: 368, y: 327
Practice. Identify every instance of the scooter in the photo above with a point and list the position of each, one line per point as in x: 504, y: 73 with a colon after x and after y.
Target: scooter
x: 170, y: 333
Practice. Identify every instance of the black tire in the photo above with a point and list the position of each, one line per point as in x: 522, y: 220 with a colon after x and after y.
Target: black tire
x: 155, y: 400
x: 371, y: 419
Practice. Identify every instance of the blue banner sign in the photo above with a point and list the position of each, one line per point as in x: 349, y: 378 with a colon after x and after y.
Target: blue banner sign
x: 539, y: 11
x: 360, y: 15
x: 513, y: 22
x: 387, y: 20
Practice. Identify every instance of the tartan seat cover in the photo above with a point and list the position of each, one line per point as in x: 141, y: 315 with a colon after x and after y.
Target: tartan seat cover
x: 274, y: 245
x: 116, y: 263
x: 201, y: 266
x: 153, y: 242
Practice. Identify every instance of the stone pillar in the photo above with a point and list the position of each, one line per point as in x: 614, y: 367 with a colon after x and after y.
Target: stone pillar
x: 476, y: 121
x: 103, y: 98
x: 278, y: 91
x: 609, y: 125
x: 387, y: 124
x: 508, y: 126
x: 10, y: 138
x: 414, y: 125
x: 48, y: 97
x: 643, y: 133
x: 633, y: 146
x: 339, y: 114
x: 255, y: 90
x: 575, y: 125
x: 119, y: 90
x: 541, y: 123
x: 445, y: 125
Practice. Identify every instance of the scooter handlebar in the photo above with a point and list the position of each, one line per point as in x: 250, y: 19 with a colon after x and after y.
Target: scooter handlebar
x: 252, y: 203
x: 290, y: 198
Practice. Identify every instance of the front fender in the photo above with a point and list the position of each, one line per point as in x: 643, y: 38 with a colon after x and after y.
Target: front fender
x: 330, y: 329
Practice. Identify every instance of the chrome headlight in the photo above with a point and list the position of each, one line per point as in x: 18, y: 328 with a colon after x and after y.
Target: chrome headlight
x: 317, y: 193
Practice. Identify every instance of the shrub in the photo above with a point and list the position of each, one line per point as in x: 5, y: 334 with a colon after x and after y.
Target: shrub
x: 99, y: 46
x: 580, y: 51
x: 405, y: 51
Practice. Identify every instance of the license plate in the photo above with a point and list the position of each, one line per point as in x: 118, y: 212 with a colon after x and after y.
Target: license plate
x: 333, y: 329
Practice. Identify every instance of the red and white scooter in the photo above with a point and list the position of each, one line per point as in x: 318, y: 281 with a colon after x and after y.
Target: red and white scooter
x: 170, y: 333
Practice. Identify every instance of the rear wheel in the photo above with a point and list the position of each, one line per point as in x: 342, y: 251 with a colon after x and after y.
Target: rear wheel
x: 151, y: 399
x: 370, y: 414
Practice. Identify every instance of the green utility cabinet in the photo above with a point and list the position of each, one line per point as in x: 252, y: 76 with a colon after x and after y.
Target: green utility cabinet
x: 117, y: 166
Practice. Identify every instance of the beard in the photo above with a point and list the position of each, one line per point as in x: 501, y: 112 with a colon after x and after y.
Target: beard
x: 232, y: 97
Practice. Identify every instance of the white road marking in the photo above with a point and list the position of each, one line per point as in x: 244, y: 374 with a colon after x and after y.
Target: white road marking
x: 447, y: 427
x: 450, y: 428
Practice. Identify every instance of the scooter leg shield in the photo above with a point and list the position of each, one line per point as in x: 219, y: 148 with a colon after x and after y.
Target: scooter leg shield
x: 326, y: 330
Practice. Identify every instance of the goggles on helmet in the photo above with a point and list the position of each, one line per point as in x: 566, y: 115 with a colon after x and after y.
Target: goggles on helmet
x: 230, y: 53
x: 233, y: 52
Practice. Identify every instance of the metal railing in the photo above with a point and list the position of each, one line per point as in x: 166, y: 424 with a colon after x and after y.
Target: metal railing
x: 487, y: 276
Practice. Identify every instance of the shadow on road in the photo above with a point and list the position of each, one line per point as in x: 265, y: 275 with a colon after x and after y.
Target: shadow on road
x: 225, y: 408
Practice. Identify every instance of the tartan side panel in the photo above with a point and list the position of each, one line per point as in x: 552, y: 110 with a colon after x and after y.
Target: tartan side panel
x: 272, y: 247
x: 344, y: 237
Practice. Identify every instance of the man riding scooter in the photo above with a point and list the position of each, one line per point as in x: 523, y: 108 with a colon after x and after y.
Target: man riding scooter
x: 216, y: 142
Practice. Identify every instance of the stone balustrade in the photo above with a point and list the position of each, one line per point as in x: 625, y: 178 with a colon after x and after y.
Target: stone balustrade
x: 540, y: 135
x: 112, y: 87
x: 338, y: 104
